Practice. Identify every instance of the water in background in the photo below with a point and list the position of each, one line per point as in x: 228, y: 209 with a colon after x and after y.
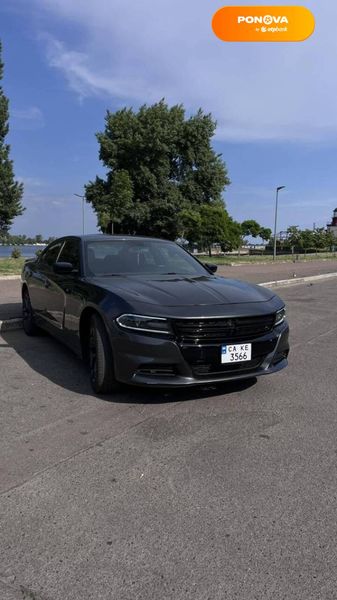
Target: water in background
x: 26, y: 251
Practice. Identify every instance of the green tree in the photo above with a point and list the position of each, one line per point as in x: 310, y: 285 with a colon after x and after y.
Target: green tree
x: 320, y: 238
x: 265, y: 234
x: 213, y: 226
x: 166, y: 164
x: 210, y: 225
x: 113, y: 203
x: 11, y: 191
x: 233, y: 236
x: 331, y: 240
x: 190, y: 225
x: 307, y: 239
x: 251, y: 227
x: 294, y: 237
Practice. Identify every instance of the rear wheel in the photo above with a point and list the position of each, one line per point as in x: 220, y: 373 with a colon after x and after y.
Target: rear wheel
x: 100, y: 358
x: 29, y: 326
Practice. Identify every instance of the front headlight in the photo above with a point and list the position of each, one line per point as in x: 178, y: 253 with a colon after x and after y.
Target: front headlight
x: 280, y: 316
x: 144, y: 323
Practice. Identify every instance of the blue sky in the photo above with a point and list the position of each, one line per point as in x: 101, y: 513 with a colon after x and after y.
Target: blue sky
x: 67, y: 62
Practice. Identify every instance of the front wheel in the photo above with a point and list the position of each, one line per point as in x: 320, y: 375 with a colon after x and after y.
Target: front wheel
x: 28, y: 315
x: 100, y: 358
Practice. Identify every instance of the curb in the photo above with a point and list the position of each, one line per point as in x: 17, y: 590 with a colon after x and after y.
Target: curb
x: 12, y: 324
x: 9, y: 277
x: 298, y: 280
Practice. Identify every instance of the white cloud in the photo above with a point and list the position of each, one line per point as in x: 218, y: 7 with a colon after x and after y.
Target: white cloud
x: 136, y: 52
x: 30, y: 182
x: 29, y: 114
x: 30, y: 117
x: 84, y: 78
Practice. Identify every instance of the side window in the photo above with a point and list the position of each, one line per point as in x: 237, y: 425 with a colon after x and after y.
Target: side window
x: 71, y: 253
x: 49, y: 257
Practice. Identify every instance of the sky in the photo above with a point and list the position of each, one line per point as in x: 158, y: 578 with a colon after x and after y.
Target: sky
x: 67, y: 62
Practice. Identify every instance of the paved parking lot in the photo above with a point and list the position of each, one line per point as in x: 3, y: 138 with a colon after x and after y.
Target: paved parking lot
x: 221, y: 493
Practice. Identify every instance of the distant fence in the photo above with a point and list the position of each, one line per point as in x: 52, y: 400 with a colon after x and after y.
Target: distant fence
x: 289, y: 252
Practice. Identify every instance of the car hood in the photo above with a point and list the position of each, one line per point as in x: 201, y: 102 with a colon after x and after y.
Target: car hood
x: 178, y: 290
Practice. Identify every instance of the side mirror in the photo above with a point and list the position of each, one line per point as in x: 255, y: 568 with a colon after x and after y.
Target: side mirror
x: 62, y: 268
x: 211, y: 267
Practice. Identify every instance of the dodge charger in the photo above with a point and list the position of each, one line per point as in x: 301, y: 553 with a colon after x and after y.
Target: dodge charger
x: 144, y: 311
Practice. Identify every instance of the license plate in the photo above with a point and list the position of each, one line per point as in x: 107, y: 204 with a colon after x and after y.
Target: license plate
x: 236, y: 353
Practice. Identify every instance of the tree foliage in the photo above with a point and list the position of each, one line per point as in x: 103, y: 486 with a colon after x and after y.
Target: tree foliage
x: 210, y: 225
x: 294, y: 236
x: 254, y: 229
x: 305, y: 240
x: 160, y: 167
x: 265, y: 234
x: 11, y: 191
x: 7, y: 239
x: 250, y: 227
x: 213, y: 225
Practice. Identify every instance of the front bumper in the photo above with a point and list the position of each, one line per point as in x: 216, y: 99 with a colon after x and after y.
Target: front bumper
x: 155, y: 361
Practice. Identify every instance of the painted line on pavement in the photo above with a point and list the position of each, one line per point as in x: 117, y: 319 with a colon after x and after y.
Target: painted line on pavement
x: 10, y: 324
x: 298, y: 280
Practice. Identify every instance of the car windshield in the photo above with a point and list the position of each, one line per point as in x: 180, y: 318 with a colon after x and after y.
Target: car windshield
x: 139, y: 257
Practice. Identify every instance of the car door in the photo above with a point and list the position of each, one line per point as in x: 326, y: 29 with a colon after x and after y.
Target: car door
x: 40, y: 279
x: 62, y: 290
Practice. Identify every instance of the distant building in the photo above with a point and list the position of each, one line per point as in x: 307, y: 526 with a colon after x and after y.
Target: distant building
x: 332, y: 227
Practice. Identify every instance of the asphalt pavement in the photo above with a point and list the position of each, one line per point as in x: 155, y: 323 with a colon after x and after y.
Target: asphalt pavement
x: 257, y: 273
x: 220, y: 493
x: 10, y: 299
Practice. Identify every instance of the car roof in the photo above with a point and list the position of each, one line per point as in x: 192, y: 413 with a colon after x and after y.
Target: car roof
x: 99, y: 237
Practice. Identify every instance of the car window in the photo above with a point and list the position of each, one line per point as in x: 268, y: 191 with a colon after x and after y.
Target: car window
x: 177, y: 260
x: 137, y: 257
x: 49, y: 256
x: 71, y: 253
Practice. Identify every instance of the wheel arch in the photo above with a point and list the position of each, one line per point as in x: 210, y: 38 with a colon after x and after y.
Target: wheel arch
x: 24, y: 288
x: 84, y: 328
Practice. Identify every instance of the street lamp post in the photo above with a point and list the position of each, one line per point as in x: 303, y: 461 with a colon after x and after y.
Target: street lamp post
x: 80, y: 196
x: 281, y: 187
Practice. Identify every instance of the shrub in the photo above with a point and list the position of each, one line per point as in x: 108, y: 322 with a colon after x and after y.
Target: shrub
x: 16, y: 253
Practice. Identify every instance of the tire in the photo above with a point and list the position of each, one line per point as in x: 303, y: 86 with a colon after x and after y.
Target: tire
x: 102, y: 375
x: 29, y: 326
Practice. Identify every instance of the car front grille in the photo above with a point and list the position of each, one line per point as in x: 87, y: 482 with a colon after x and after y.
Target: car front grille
x: 206, y: 360
x: 217, y: 331
x: 212, y: 369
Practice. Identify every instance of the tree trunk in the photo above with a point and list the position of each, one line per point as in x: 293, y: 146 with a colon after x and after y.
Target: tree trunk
x: 209, y: 250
